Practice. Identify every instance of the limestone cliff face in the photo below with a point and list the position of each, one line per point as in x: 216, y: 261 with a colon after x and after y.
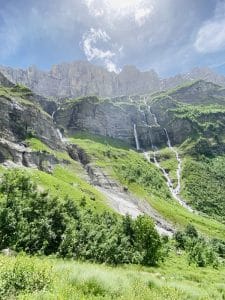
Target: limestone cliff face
x: 22, y: 117
x: 203, y: 73
x: 83, y: 79
x: 108, y: 118
x: 18, y: 121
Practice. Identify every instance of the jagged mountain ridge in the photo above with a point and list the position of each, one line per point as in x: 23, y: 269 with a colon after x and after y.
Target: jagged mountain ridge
x: 82, y: 78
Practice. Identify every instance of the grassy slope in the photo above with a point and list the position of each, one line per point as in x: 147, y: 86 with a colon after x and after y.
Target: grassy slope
x: 203, y: 185
x: 66, y: 179
x: 21, y: 95
x: 144, y: 179
x: 175, y: 279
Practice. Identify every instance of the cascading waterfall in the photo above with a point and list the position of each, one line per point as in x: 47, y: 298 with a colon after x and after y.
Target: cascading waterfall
x: 60, y: 135
x: 154, y: 116
x: 58, y: 130
x: 179, y: 162
x: 174, y: 191
x: 136, y: 138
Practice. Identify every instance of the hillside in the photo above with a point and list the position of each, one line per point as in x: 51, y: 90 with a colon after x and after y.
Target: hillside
x: 71, y: 172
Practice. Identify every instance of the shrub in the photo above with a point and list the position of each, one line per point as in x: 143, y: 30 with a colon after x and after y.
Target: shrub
x: 23, y: 275
x: 202, y: 255
x: 200, y: 251
x: 147, y: 240
x: 30, y: 220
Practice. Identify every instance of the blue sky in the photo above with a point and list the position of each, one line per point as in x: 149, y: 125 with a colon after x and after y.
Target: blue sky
x: 170, y: 36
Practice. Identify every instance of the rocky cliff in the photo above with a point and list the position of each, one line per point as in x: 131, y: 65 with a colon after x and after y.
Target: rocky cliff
x: 193, y: 110
x: 109, y: 118
x: 22, y: 117
x: 82, y: 78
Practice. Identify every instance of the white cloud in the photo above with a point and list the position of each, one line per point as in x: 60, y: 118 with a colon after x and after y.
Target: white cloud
x: 92, y: 52
x: 139, y: 10
x: 211, y: 36
x: 93, y: 10
x: 142, y: 14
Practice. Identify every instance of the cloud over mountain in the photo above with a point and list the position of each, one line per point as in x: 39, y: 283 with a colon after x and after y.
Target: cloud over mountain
x: 170, y: 36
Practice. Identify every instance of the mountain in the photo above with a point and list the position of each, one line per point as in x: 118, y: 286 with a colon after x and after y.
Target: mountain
x: 130, y: 179
x: 83, y: 79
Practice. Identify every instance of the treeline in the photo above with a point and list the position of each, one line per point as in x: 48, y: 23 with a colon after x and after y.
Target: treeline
x: 33, y: 221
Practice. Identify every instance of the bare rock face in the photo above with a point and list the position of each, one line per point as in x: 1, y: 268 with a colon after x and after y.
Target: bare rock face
x: 203, y: 73
x: 102, y: 118
x: 19, y: 121
x: 105, y: 118
x: 19, y: 154
x: 81, y: 78
x: 21, y: 116
x: 5, y: 82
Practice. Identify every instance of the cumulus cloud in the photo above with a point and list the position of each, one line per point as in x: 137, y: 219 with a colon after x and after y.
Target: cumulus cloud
x: 211, y: 36
x: 92, y: 52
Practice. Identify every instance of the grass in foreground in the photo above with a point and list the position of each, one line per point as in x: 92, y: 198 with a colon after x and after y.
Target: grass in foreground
x: 71, y: 280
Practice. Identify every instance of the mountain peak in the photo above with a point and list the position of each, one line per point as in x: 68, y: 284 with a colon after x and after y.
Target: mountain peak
x: 81, y: 78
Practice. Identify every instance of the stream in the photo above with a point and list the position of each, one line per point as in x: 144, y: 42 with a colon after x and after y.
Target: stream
x: 174, y: 191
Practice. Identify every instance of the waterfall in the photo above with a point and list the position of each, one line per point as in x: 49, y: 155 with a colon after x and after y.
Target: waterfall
x: 54, y: 112
x: 62, y: 139
x: 154, y: 116
x: 60, y: 134
x: 136, y: 138
x: 174, y: 191
x: 179, y: 162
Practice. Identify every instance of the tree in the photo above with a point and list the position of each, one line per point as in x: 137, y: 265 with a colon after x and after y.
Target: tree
x: 30, y: 220
x: 147, y: 240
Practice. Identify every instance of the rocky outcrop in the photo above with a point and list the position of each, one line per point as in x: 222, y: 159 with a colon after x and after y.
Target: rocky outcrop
x: 20, y: 120
x: 19, y: 154
x: 200, y: 92
x: 107, y: 118
x: 209, y: 122
x: 83, y: 79
x: 202, y: 73
x: 5, y: 82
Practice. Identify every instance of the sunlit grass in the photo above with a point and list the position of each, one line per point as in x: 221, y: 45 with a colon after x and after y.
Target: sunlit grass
x: 174, y: 279
x: 157, y: 194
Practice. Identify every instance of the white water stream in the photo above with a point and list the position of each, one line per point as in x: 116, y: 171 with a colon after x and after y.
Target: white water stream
x: 174, y: 191
x: 136, y: 138
x: 60, y: 135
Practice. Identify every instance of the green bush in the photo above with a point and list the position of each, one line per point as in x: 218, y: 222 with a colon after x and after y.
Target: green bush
x: 147, y: 240
x: 200, y: 251
x: 30, y: 220
x: 22, y: 274
x: 202, y: 254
